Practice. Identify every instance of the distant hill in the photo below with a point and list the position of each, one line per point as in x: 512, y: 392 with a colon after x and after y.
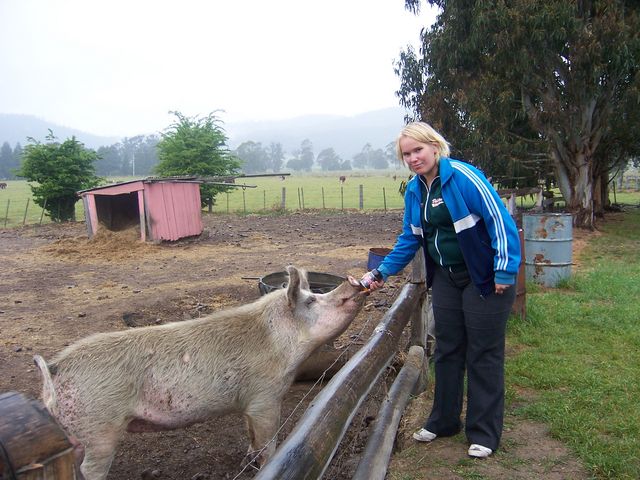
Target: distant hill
x: 16, y: 128
x: 347, y: 135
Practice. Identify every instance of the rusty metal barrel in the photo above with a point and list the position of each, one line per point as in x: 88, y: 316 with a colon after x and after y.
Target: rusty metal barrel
x: 548, y: 243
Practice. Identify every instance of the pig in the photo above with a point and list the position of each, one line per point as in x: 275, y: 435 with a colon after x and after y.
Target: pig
x: 164, y: 377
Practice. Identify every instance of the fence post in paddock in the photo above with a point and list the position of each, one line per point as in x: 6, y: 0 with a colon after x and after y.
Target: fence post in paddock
x: 44, y: 206
x: 6, y: 213
x: 361, y: 195
x: 283, y: 202
x: 420, y: 317
x: 375, y: 459
x: 24, y: 218
x: 307, y: 451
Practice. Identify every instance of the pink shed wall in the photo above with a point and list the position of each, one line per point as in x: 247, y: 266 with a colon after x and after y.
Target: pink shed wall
x: 173, y: 210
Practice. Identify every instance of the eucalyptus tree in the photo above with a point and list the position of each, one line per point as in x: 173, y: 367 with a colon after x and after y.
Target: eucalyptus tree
x: 275, y: 153
x: 525, y: 80
x: 253, y: 157
x: 328, y: 159
x: 6, y: 161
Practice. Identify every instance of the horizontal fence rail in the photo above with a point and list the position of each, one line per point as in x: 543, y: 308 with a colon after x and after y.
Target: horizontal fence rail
x: 375, y: 459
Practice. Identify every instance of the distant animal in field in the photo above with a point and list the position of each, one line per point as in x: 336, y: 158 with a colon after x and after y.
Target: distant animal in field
x: 343, y: 179
x: 3, y: 185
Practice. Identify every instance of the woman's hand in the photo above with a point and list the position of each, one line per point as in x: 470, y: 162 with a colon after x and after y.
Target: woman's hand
x: 500, y: 288
x: 372, y: 280
x: 376, y: 285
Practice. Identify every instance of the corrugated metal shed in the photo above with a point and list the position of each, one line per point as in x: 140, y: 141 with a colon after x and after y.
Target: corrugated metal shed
x: 164, y: 209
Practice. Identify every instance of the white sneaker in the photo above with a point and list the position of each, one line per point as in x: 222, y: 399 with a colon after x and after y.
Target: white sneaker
x: 478, y: 451
x: 424, y: 435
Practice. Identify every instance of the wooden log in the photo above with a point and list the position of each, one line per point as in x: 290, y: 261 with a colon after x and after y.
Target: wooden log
x: 34, y: 445
x: 308, y: 449
x: 375, y: 459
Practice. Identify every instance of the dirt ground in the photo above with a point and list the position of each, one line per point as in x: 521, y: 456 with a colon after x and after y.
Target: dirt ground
x: 58, y: 286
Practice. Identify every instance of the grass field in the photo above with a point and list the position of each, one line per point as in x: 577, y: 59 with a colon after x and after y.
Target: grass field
x: 379, y: 191
x: 579, y: 352
x: 361, y: 190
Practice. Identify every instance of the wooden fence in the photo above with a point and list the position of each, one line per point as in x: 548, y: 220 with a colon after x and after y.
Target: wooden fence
x: 309, y: 448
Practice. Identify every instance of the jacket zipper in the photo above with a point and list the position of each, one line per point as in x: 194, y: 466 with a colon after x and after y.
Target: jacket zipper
x: 426, y: 219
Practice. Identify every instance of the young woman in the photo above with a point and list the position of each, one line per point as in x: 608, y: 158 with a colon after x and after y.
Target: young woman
x: 472, y: 253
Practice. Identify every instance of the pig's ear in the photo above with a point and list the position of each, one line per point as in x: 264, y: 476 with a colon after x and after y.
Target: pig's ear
x: 304, y: 280
x: 293, y: 289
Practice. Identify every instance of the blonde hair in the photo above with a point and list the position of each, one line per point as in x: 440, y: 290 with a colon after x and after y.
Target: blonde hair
x: 424, y: 133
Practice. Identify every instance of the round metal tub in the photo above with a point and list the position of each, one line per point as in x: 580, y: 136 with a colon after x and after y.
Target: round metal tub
x: 318, y: 282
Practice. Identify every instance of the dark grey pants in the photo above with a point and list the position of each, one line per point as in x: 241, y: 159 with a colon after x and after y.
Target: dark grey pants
x: 470, y: 336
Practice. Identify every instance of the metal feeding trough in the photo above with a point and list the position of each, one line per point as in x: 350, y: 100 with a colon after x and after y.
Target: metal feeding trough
x: 318, y: 282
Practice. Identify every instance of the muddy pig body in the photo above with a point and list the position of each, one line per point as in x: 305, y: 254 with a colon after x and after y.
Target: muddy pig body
x: 170, y: 376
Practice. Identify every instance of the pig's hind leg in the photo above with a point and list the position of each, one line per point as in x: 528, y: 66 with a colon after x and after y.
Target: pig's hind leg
x: 263, y: 419
x: 99, y: 452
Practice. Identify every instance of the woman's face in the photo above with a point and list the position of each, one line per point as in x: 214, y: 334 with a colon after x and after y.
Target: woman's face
x: 421, y: 158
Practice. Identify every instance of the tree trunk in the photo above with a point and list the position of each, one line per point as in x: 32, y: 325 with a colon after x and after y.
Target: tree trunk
x: 601, y: 194
x: 576, y: 183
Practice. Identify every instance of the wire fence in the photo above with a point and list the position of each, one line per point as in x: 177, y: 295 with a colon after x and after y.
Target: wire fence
x: 22, y: 210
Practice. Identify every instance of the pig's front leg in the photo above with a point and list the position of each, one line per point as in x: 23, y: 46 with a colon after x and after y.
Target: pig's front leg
x: 263, y: 419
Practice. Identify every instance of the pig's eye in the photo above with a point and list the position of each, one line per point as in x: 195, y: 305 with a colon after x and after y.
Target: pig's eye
x: 309, y: 301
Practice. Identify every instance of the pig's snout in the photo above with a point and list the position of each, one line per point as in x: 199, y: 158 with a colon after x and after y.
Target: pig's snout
x: 360, y: 292
x: 357, y: 294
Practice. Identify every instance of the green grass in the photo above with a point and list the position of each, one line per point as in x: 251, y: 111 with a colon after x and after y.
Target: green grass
x: 311, y: 192
x: 379, y: 190
x: 579, y: 352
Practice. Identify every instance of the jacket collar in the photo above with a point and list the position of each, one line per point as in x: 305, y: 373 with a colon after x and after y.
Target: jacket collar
x: 445, y: 171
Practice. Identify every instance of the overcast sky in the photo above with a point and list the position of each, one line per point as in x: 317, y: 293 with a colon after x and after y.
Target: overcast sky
x: 117, y: 67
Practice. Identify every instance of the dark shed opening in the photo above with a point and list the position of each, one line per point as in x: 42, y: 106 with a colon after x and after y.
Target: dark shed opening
x: 118, y: 212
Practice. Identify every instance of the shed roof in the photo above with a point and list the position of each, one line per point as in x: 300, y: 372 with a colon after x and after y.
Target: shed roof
x: 144, y: 180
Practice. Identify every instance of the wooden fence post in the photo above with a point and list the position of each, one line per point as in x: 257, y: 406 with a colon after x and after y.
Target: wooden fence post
x: 361, y: 193
x: 283, y: 202
x: 44, y: 206
x: 24, y: 219
x: 6, y: 215
x: 375, y: 459
x: 420, y: 317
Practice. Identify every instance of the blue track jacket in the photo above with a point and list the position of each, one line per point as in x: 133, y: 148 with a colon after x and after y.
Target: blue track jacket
x: 487, y: 235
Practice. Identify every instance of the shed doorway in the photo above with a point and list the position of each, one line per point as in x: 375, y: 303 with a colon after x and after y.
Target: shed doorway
x: 118, y: 212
